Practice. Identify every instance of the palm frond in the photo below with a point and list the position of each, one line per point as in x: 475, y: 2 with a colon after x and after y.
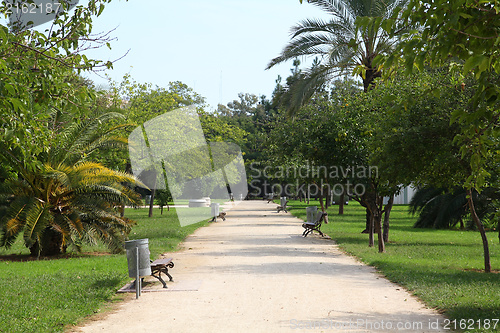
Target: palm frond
x: 75, y: 138
x: 304, y: 88
x: 37, y: 219
x: 338, y: 42
x: 337, y: 8
x: 422, y: 197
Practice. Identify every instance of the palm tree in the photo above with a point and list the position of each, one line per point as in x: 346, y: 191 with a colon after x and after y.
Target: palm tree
x: 65, y: 199
x: 443, y: 209
x: 339, y: 44
x: 438, y: 208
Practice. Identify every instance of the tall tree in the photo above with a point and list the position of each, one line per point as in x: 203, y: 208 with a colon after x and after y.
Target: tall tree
x: 38, y: 71
x: 468, y: 32
x: 141, y: 102
x: 66, y: 199
x: 339, y: 44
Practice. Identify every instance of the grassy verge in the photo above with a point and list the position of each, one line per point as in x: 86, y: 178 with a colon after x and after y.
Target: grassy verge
x: 49, y: 295
x: 441, y: 267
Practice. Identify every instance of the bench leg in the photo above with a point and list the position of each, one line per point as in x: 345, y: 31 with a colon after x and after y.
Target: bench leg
x: 163, y: 270
x: 161, y: 280
x: 171, y: 279
x: 322, y: 235
x: 158, y: 270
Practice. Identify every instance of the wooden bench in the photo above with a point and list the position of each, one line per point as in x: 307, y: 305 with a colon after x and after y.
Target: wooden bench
x: 161, y: 266
x: 316, y: 225
x: 222, y: 216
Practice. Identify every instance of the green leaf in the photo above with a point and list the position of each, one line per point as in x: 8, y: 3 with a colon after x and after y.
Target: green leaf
x: 473, y: 62
x: 419, y: 62
x: 465, y: 15
x: 475, y: 161
x: 101, y: 8
x: 10, y: 89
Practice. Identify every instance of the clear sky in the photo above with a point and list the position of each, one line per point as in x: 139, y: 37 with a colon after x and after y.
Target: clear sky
x: 217, y: 47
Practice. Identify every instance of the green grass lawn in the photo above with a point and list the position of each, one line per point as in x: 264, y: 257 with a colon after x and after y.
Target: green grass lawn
x: 48, y: 295
x: 441, y: 267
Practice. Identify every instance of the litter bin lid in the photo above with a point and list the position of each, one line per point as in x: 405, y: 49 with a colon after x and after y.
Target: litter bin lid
x: 131, y: 244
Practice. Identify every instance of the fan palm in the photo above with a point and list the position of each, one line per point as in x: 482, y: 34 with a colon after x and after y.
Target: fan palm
x: 338, y: 43
x: 443, y: 209
x: 66, y: 200
x: 438, y: 208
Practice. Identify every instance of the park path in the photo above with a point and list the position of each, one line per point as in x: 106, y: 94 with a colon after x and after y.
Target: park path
x: 255, y: 273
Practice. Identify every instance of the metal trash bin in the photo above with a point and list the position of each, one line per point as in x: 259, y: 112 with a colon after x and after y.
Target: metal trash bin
x: 144, y: 260
x: 215, y: 207
x: 311, y: 213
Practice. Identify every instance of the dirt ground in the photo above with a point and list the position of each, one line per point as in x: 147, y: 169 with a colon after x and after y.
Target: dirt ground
x: 255, y: 273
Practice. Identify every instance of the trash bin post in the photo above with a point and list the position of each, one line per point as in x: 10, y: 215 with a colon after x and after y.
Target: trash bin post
x: 138, y: 261
x: 137, y: 277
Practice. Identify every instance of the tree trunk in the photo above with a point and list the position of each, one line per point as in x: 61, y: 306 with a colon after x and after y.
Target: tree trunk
x: 122, y: 210
x: 51, y: 244
x: 480, y: 227
x: 321, y: 199
x: 371, y: 225
x: 368, y: 222
x: 370, y: 75
x: 387, y: 214
x: 363, y: 202
x: 368, y: 201
x: 341, y: 203
x: 374, y: 204
x: 327, y: 200
x: 377, y: 219
x: 151, y: 203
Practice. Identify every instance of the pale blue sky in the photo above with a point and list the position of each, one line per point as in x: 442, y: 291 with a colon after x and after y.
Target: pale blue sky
x: 217, y: 47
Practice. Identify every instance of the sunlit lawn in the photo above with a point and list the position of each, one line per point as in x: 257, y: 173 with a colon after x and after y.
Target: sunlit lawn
x: 442, y: 267
x: 48, y: 295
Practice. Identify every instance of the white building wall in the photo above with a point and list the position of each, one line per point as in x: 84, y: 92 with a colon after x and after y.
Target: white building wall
x: 404, y: 196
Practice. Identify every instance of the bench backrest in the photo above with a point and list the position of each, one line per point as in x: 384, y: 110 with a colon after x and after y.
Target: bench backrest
x: 320, y: 217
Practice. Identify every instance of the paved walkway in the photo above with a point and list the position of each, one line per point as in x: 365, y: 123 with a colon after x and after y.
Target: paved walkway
x: 255, y: 273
